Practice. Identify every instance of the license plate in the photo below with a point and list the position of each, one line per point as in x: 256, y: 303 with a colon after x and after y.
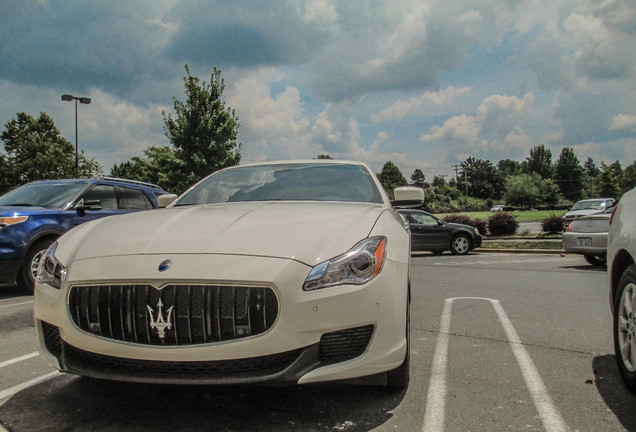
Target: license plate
x: 585, y: 241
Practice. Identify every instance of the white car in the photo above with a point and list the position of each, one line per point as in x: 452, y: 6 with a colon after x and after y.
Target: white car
x: 285, y: 272
x: 621, y: 270
x: 586, y: 207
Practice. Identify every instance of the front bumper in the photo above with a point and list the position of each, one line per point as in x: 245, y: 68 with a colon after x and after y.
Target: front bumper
x: 329, y: 334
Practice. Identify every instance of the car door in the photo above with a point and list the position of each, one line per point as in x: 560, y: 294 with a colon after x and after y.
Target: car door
x: 107, y: 197
x: 427, y: 232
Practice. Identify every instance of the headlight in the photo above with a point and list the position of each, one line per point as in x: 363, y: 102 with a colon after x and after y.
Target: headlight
x: 356, y: 267
x: 11, y: 220
x: 51, y: 271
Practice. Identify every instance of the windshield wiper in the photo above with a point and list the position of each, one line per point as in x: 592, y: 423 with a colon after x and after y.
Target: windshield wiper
x: 17, y: 205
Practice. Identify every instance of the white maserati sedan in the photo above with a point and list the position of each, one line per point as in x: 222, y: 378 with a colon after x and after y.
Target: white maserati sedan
x: 278, y: 272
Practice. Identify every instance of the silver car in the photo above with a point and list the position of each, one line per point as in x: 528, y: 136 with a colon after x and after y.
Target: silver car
x: 586, y: 207
x: 587, y: 235
x: 621, y: 271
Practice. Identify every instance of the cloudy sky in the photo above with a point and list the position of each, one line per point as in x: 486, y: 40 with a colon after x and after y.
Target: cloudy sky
x: 424, y: 83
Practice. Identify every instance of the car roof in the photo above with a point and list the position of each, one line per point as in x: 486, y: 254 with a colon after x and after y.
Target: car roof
x: 101, y: 179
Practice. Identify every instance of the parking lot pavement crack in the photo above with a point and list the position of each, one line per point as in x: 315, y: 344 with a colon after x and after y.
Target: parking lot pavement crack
x: 505, y: 341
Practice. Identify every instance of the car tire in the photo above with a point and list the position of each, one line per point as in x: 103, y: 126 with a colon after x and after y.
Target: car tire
x: 624, y: 324
x: 596, y: 260
x: 460, y: 245
x: 26, y: 277
x: 398, y: 379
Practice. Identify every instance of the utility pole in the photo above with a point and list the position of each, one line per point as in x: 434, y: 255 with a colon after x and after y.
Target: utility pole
x: 456, y: 166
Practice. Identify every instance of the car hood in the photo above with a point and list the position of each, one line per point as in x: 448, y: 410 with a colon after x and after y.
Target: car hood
x: 456, y: 226
x: 579, y: 213
x: 24, y: 210
x: 306, y: 232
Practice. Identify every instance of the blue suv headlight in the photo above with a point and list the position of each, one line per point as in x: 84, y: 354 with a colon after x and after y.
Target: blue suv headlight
x: 51, y: 271
x: 11, y: 220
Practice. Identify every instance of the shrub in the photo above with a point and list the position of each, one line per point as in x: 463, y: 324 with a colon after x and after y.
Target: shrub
x: 480, y: 224
x: 553, y: 224
x: 457, y: 218
x: 502, y: 224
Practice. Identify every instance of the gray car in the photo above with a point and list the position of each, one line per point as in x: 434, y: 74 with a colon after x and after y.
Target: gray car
x: 587, y: 235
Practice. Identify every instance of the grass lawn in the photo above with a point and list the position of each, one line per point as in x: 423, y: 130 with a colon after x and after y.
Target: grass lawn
x: 522, y: 216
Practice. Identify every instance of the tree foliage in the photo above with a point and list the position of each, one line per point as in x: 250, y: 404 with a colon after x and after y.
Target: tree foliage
x: 203, y: 131
x: 539, y: 162
x: 481, y: 177
x: 391, y: 177
x: 418, y: 178
x: 523, y: 190
x: 36, y: 150
x: 568, y: 174
x: 159, y: 166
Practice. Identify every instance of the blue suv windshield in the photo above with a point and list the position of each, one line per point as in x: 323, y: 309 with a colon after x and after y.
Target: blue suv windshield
x: 48, y: 195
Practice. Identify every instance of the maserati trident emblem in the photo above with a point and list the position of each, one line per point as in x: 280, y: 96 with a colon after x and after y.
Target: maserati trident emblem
x: 165, y: 265
x: 160, y: 323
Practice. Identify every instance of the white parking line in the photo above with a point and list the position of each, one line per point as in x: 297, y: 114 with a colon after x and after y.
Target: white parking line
x: 504, y: 261
x: 15, y: 304
x: 15, y: 389
x: 434, y: 415
x: 19, y: 359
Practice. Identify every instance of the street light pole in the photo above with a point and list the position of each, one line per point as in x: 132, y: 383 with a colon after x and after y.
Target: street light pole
x: 84, y: 100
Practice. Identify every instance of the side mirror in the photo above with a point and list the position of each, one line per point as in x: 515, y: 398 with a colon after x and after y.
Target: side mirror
x: 408, y: 196
x: 165, y: 200
x: 89, y: 205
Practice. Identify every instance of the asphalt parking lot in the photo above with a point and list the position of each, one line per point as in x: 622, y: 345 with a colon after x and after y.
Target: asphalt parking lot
x: 499, y: 342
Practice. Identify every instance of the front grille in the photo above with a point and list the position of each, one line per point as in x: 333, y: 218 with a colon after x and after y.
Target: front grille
x: 344, y: 345
x: 174, y: 315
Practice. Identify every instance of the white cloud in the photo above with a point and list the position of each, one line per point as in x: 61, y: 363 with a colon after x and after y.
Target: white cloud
x: 272, y: 127
x: 415, y: 105
x: 623, y: 122
x: 495, y: 126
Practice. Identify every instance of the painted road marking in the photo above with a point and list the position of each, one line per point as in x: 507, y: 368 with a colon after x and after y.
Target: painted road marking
x: 434, y: 416
x: 15, y: 389
x: 19, y: 359
x: 15, y: 304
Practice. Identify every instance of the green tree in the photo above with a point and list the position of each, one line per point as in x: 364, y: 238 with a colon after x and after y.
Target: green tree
x: 523, y: 190
x: 204, y: 131
x: 391, y: 177
x: 609, y: 181
x: 481, y: 177
x: 629, y: 177
x: 438, y: 181
x: 568, y: 174
x: 508, y: 167
x: 418, y: 179
x: 539, y: 162
x: 550, y: 192
x: 590, y: 174
x: 158, y: 166
x: 36, y: 150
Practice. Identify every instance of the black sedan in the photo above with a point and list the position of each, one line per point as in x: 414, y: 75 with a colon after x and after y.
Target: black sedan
x: 429, y: 233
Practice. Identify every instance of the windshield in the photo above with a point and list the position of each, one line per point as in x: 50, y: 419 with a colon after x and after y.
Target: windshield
x: 282, y: 182
x: 48, y: 195
x: 588, y: 205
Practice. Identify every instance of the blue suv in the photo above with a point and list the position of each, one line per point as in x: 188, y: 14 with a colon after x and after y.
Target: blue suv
x: 34, y: 215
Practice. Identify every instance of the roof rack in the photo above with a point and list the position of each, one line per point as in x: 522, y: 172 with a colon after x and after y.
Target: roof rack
x: 123, y: 180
